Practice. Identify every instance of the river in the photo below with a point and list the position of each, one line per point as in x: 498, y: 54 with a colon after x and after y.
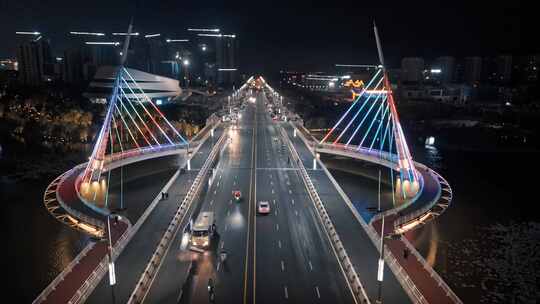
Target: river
x: 486, y: 245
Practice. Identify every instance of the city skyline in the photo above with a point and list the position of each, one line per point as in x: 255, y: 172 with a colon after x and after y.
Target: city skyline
x: 297, y: 29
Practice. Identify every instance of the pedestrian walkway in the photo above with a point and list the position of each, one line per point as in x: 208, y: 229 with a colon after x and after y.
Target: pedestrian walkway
x: 72, y: 278
x: 425, y: 279
x: 66, y: 286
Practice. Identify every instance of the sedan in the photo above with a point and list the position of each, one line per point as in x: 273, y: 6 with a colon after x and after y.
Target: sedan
x: 264, y: 207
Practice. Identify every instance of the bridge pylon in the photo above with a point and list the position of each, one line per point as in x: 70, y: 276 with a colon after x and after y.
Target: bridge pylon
x: 133, y: 125
x: 371, y: 125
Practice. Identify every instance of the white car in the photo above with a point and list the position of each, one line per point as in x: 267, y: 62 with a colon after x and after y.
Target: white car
x: 264, y: 207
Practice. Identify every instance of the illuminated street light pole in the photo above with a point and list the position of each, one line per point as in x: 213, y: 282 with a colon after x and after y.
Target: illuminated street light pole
x: 112, y: 275
x: 380, y: 271
x: 188, y: 154
x: 186, y: 65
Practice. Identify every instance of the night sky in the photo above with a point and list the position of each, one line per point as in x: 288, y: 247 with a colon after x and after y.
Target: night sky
x: 296, y: 35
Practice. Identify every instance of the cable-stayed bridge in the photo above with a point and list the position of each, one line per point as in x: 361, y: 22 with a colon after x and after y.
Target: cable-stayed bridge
x: 313, y: 246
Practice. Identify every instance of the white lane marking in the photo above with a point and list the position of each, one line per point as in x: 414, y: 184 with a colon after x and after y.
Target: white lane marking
x: 275, y: 211
x: 226, y: 227
x: 270, y: 175
x: 272, y: 191
x: 310, y: 266
x: 230, y: 202
x: 290, y: 191
x: 217, y: 184
x: 274, y: 201
x: 318, y: 293
x: 286, y: 292
x: 211, y: 202
x: 271, y: 182
x: 292, y: 201
x: 288, y: 184
x: 218, y: 264
x: 228, y: 212
x: 279, y: 243
x: 215, y: 191
x: 222, y: 244
x: 277, y: 227
x: 220, y: 176
x: 296, y: 212
x: 282, y: 266
x: 234, y: 183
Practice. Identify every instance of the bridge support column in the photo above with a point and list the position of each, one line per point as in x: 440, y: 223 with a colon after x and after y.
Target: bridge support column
x: 188, y: 159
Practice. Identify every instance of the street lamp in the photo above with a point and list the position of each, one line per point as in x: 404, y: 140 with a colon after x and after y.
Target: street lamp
x: 188, y: 158
x: 186, y: 64
x: 112, y: 275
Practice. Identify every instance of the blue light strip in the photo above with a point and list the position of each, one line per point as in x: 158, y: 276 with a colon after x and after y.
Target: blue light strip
x: 356, y: 115
x: 351, y: 107
x: 109, y: 173
x: 379, y: 128
x: 135, y: 123
x: 381, y: 147
x: 139, y: 116
x: 146, y: 110
x: 127, y: 126
x: 371, y: 124
x: 166, y: 120
x: 364, y: 119
x: 118, y: 135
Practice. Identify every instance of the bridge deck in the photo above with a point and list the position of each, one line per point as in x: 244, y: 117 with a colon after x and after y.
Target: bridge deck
x: 363, y: 253
x: 67, y: 288
x: 423, y: 276
x: 133, y: 260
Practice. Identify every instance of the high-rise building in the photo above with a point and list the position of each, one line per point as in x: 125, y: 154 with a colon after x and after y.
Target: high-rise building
x: 446, y: 66
x: 73, y: 66
x: 526, y: 69
x: 504, y: 68
x: 34, y: 61
x: 412, y: 69
x: 89, y: 51
x: 473, y: 69
x: 227, y: 60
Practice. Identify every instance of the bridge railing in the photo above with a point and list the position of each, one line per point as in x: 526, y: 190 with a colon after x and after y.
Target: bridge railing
x: 425, y: 210
x: 91, y: 282
x: 339, y: 250
x: 93, y: 279
x: 59, y: 278
x: 76, y: 213
x: 432, y: 272
x: 406, y: 282
x: 152, y: 268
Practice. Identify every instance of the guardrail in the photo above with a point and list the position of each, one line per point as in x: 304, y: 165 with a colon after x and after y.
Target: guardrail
x: 60, y: 277
x: 96, y: 276
x: 343, y: 258
x: 406, y: 282
x: 76, y: 213
x: 144, y: 283
x: 390, y: 159
x: 93, y: 280
x: 425, y: 210
x: 432, y: 272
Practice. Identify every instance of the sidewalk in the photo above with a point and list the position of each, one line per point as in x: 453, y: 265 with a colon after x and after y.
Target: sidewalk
x: 66, y: 289
x: 422, y: 278
x: 91, y: 257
